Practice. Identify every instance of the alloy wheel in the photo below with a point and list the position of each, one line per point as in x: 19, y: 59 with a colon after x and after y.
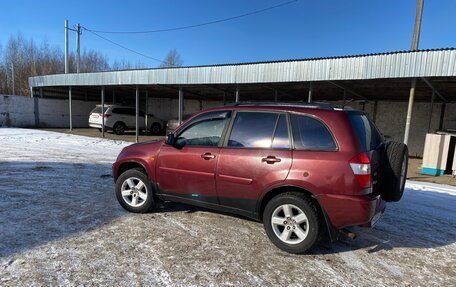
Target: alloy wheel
x: 134, y: 191
x: 290, y: 224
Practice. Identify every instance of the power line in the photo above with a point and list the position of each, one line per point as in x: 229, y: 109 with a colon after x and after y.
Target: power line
x: 196, y: 25
x: 123, y: 47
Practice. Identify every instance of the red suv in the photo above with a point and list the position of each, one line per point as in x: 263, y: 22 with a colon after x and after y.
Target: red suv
x: 302, y: 169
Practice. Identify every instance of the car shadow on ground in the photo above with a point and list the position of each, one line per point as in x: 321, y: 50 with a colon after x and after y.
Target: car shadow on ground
x: 47, y: 201
x: 404, y: 225
x: 42, y: 202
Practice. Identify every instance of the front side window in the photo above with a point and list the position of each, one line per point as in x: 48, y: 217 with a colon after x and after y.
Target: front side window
x: 311, y: 134
x: 281, y: 139
x: 259, y: 130
x: 204, y: 130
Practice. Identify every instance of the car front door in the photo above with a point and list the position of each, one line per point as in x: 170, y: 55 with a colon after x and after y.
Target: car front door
x: 187, y: 169
x: 256, y: 156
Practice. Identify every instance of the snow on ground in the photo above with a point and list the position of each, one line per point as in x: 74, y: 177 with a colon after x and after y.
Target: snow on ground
x: 60, y: 224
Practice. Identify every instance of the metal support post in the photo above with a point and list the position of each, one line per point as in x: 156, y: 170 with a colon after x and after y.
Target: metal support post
x: 374, y: 116
x: 237, y: 95
x: 137, y: 114
x: 409, y: 111
x: 70, y: 107
x: 275, y: 95
x: 309, y: 100
x: 147, y: 113
x: 442, y: 116
x: 102, y: 111
x: 181, y: 105
x: 430, y: 112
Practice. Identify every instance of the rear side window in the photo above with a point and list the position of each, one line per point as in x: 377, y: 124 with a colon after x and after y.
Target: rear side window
x: 366, y: 132
x: 253, y: 129
x: 311, y: 134
x: 259, y: 130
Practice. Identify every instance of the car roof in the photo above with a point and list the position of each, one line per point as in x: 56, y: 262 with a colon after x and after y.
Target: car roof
x: 300, y: 107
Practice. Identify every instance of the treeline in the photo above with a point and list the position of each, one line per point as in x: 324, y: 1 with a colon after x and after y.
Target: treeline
x: 24, y: 58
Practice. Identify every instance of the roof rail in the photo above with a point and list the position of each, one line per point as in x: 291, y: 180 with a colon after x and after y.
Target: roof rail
x: 314, y: 105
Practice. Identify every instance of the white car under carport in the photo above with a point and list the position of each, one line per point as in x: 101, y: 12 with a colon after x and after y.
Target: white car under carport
x: 121, y: 118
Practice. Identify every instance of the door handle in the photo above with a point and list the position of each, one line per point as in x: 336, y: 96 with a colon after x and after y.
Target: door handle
x: 270, y: 160
x: 208, y: 156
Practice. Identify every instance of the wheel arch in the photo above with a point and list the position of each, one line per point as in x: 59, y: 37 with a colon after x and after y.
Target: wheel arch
x: 267, y: 196
x: 332, y: 232
x: 119, y: 122
x: 127, y: 165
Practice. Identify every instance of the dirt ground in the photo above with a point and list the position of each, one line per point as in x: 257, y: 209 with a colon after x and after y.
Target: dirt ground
x: 61, y: 225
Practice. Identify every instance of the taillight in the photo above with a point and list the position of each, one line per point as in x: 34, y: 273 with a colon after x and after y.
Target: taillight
x: 361, y: 168
x: 105, y: 115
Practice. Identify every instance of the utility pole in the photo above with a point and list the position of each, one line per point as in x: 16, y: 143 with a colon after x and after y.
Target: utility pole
x: 66, y: 46
x: 78, y: 47
x: 12, y: 77
x: 415, y: 41
x: 309, y: 99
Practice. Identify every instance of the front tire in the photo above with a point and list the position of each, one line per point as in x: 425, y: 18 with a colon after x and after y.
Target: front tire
x: 134, y: 191
x: 292, y: 222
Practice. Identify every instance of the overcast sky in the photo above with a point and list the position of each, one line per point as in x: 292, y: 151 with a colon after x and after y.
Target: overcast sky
x: 301, y: 29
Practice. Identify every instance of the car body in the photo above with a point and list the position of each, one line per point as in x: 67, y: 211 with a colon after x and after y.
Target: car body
x: 318, y: 164
x: 121, y: 118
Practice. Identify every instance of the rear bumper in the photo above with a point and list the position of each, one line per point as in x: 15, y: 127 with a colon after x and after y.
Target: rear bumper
x: 350, y: 210
x: 97, y: 126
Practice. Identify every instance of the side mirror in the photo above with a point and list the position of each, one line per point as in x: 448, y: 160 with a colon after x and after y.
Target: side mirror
x: 170, y: 140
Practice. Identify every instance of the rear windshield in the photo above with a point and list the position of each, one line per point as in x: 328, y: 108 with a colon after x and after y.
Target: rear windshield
x: 97, y: 110
x: 368, y: 135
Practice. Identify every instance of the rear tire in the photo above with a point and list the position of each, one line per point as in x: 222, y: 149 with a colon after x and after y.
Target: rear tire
x: 292, y: 222
x: 134, y: 191
x: 394, y: 171
x: 119, y: 128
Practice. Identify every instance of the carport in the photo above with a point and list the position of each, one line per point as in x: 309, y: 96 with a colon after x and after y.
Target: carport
x: 360, y: 79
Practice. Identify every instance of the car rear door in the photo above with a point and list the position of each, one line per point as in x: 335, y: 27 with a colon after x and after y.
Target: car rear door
x: 187, y: 169
x: 256, y: 156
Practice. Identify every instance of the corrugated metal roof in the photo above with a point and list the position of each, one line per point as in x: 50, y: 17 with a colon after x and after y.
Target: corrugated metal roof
x: 401, y: 64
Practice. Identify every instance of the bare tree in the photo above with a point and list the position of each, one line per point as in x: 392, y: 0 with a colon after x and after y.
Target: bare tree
x: 125, y: 65
x: 30, y: 59
x: 173, y: 59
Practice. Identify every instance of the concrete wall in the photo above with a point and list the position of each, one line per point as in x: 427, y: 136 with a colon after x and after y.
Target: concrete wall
x: 390, y: 117
x: 20, y: 111
x: 16, y: 111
